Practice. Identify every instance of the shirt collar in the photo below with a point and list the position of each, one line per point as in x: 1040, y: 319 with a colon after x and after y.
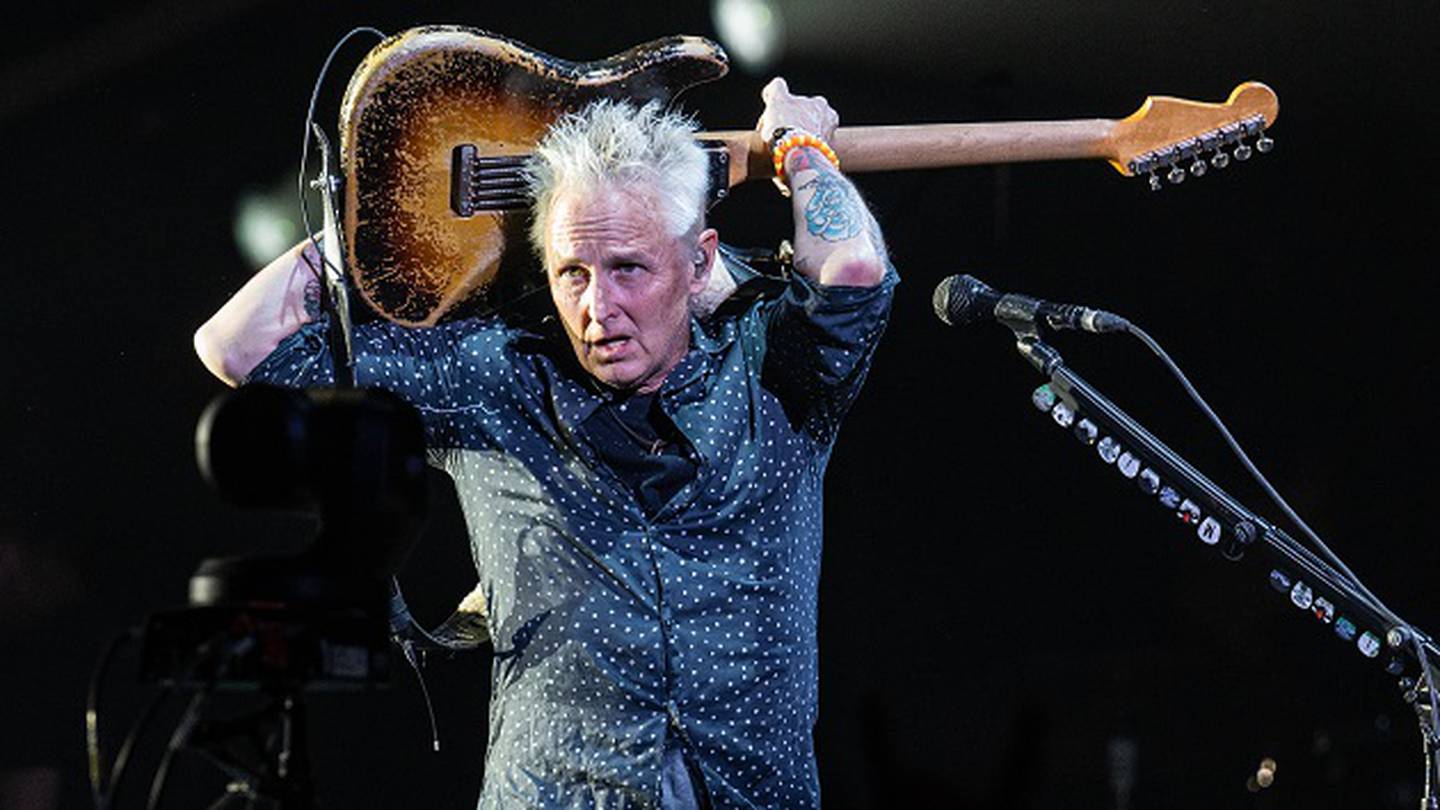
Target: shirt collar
x: 576, y: 394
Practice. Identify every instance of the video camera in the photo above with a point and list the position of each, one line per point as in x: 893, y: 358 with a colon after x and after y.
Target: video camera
x: 319, y: 617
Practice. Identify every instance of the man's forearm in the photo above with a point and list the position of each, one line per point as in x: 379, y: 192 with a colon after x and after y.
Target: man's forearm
x: 276, y: 301
x: 837, y: 241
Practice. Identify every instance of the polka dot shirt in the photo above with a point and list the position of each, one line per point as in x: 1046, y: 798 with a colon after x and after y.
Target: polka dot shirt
x: 617, y: 631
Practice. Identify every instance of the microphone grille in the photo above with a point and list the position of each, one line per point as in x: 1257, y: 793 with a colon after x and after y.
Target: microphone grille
x: 955, y: 299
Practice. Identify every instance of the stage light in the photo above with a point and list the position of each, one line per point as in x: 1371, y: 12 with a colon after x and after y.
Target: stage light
x: 752, y: 32
x: 266, y: 224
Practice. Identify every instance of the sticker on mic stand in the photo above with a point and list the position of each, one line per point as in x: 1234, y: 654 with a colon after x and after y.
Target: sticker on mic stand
x: 1127, y: 464
x: 1086, y: 431
x: 1169, y: 498
x: 1324, y: 610
x: 1108, y: 450
x: 1149, y: 481
x: 1188, y: 512
x: 1280, y: 581
x: 1043, y: 398
x: 1301, y: 595
x: 1345, y: 629
x: 1369, y: 644
x: 1063, y: 415
x: 1210, y: 531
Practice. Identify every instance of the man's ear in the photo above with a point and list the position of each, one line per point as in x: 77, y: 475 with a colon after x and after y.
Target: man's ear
x: 704, y: 258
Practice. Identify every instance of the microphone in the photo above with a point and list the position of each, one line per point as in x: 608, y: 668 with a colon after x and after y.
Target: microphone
x: 963, y: 299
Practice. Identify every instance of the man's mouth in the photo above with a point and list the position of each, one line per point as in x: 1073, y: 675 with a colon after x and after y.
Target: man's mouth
x: 609, y: 345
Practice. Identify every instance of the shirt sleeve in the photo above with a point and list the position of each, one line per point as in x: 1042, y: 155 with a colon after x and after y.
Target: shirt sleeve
x: 441, y: 370
x: 819, y: 345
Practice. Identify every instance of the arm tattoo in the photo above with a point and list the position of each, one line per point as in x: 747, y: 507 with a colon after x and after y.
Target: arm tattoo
x: 312, y: 298
x: 802, y: 160
x: 833, y: 213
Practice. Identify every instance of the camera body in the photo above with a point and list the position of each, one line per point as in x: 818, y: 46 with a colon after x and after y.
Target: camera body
x: 320, y: 617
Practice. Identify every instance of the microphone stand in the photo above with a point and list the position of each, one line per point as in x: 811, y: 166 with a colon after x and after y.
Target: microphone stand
x: 1221, y: 520
x: 337, y: 294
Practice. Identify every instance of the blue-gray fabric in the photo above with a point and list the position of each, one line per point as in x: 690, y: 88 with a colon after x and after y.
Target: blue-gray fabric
x: 616, y: 631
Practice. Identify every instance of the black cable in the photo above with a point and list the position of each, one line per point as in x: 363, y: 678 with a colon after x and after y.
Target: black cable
x: 191, y: 716
x: 177, y: 741
x: 408, y: 647
x: 305, y: 143
x: 111, y: 787
x: 1415, y: 637
x: 92, y: 710
x: 122, y: 759
x: 1434, y: 734
x: 1259, y: 477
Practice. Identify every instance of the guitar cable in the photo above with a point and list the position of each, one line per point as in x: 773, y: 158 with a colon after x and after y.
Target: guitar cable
x: 1414, y: 637
x: 305, y: 148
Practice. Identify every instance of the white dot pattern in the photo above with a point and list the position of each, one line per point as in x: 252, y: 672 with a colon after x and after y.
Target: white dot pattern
x: 612, y: 630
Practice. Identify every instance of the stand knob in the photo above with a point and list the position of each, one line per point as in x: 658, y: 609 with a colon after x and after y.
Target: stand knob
x: 1238, y: 540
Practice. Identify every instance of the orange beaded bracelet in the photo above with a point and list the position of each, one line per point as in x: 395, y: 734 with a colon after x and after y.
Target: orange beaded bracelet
x: 798, y: 137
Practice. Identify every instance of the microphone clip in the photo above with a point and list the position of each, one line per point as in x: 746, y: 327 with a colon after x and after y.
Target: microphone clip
x: 1039, y: 354
x: 1019, y: 313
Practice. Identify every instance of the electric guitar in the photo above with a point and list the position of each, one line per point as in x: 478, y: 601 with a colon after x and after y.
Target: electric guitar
x: 437, y: 122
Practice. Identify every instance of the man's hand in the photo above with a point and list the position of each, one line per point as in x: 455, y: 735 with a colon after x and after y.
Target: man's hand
x: 810, y: 113
x: 837, y: 242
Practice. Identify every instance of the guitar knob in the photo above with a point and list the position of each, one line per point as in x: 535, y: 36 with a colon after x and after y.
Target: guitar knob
x: 1176, y: 175
x: 1220, y: 160
x: 1242, y: 152
x: 1198, y: 167
x: 1265, y: 144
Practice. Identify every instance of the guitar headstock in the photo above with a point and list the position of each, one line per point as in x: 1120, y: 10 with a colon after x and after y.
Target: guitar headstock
x: 1177, y: 137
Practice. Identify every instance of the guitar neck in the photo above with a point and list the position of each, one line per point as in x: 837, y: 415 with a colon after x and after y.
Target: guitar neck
x: 1163, y: 134
x: 929, y: 146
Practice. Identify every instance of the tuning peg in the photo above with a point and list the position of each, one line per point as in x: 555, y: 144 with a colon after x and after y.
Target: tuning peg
x: 1264, y: 144
x: 1242, y: 151
x: 1198, y: 167
x: 1176, y: 175
x: 1220, y: 159
x: 1155, y: 184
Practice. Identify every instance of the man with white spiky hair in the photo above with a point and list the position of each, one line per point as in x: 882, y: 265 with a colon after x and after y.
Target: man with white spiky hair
x: 642, y: 483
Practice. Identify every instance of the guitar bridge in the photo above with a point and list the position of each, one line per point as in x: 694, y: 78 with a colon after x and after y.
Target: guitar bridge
x: 485, y: 183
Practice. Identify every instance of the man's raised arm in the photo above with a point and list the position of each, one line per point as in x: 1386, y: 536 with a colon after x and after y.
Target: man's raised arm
x: 275, y: 302
x: 837, y: 241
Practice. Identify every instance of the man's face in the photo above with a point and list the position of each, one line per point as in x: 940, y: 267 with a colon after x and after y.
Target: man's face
x: 622, y: 285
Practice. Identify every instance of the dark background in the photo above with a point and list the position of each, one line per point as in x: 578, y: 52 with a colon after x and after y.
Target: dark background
x: 998, y: 610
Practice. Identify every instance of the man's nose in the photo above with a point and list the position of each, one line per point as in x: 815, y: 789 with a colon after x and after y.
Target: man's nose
x: 598, y: 300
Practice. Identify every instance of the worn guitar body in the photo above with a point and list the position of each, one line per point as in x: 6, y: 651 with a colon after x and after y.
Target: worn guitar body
x: 420, y: 94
